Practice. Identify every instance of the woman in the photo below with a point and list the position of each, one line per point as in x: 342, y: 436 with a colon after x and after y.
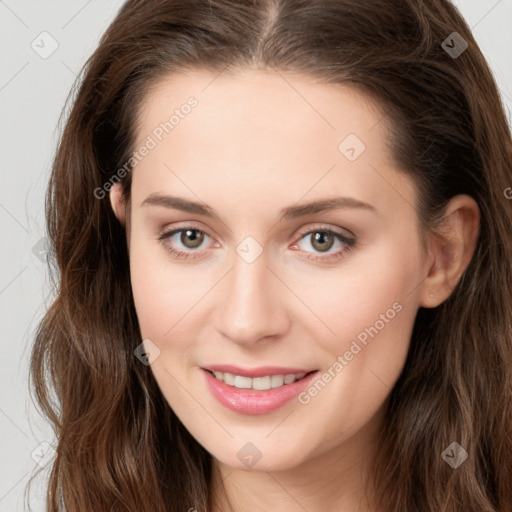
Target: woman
x: 282, y: 236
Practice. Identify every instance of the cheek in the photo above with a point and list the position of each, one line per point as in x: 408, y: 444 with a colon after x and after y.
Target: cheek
x: 371, y: 310
x: 163, y: 290
x: 152, y: 301
x: 372, y: 314
x: 164, y: 296
x: 374, y: 281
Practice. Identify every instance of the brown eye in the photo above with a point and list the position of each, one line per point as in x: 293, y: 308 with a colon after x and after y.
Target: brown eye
x: 322, y: 240
x: 185, y: 243
x: 324, y: 244
x: 191, y: 238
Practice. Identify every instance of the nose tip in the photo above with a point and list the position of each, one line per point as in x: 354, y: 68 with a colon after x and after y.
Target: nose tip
x: 250, y: 305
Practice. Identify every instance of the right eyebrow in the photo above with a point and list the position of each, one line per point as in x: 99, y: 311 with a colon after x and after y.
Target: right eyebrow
x: 180, y: 204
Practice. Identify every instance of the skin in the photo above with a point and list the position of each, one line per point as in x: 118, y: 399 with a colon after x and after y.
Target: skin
x: 257, y: 142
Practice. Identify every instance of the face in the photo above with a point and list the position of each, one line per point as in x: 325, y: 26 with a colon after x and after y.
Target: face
x: 236, y: 271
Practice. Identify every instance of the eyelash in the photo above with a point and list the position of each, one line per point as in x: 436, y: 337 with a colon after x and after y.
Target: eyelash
x: 349, y: 243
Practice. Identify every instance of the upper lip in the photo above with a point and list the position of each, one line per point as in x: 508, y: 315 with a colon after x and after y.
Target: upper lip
x: 261, y: 371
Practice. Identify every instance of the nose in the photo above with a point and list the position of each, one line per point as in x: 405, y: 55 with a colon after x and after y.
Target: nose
x: 251, y: 303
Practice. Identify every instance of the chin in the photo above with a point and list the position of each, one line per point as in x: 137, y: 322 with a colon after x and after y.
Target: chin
x: 269, y: 458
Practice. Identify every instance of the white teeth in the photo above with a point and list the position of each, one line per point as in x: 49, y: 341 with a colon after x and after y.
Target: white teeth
x: 277, y: 381
x: 243, y: 382
x: 257, y: 383
x: 288, y: 379
x: 261, y: 383
x: 228, y: 378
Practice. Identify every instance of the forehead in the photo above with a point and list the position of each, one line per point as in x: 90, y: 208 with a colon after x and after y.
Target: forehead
x: 252, y: 131
x: 263, y: 101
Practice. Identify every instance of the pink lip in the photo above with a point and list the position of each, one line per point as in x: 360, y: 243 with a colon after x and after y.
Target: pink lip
x: 252, y: 402
x: 261, y: 371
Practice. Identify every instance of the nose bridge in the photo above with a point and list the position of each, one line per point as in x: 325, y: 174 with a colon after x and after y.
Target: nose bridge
x: 250, y: 307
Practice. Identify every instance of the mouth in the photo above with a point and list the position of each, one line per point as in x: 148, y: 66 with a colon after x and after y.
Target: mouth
x: 262, y: 383
x: 257, y: 391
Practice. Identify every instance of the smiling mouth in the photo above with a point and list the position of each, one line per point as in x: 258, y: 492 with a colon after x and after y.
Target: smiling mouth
x: 263, y: 383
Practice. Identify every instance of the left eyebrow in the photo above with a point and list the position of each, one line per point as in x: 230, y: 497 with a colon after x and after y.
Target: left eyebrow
x: 340, y: 202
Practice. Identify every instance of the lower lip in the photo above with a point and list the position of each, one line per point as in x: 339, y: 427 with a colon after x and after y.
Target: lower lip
x: 249, y: 401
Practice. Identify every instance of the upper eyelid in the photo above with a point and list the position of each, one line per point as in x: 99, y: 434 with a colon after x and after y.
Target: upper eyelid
x: 324, y: 228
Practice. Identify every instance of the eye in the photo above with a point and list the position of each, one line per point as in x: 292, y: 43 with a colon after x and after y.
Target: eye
x: 322, y: 240
x: 186, y: 242
x: 183, y: 242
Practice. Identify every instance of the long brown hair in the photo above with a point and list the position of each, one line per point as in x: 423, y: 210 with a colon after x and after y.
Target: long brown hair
x: 120, y: 446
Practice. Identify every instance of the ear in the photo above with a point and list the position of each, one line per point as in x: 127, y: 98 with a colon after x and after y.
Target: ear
x: 118, y: 203
x: 451, y: 248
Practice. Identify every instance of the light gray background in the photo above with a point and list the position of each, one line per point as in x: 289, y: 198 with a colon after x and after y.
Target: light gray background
x: 32, y: 93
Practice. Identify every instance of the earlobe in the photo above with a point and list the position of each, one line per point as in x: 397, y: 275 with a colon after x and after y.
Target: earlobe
x: 452, y: 247
x: 117, y: 202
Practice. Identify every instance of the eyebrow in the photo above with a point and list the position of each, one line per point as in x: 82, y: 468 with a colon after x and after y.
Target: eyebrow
x: 290, y: 212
